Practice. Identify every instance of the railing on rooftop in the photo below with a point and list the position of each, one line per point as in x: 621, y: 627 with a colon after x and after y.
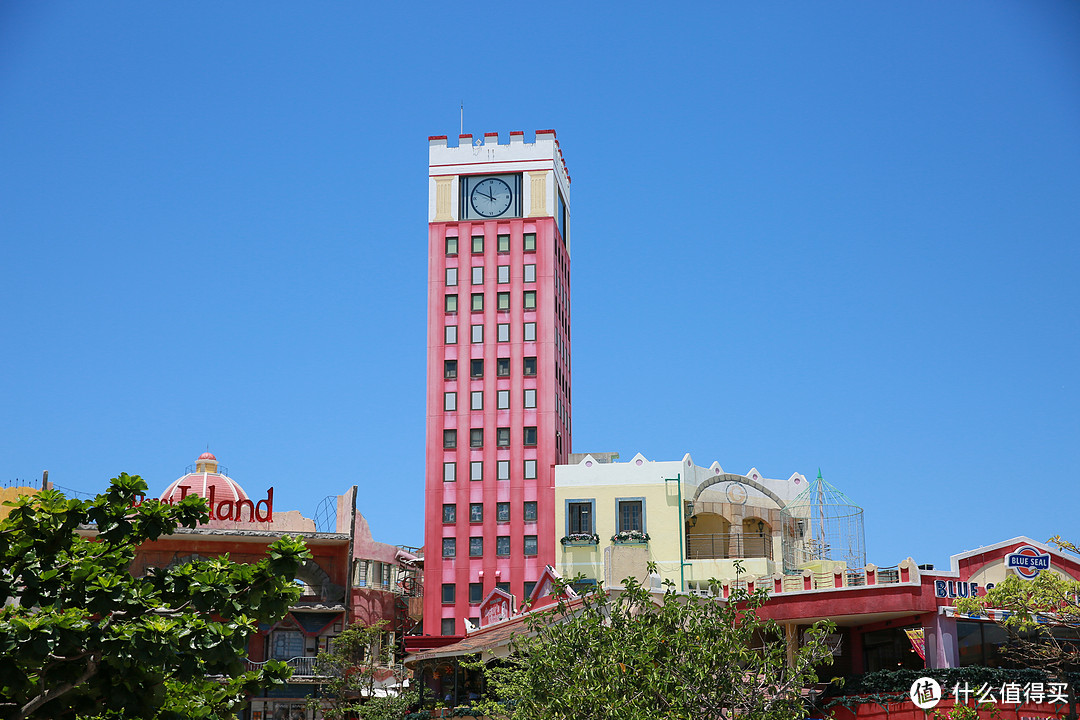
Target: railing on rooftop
x: 720, y: 546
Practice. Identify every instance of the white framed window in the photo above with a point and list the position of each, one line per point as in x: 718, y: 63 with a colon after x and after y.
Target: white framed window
x: 504, y: 332
x: 478, y: 276
x: 476, y: 400
x: 449, y: 471
x: 451, y: 276
x: 530, y: 469
x: 504, y: 399
x: 504, y: 274
x: 530, y: 398
x: 530, y: 273
x: 449, y: 401
x: 530, y: 332
x: 450, y: 334
x: 504, y: 469
x: 476, y: 470
x: 478, y: 333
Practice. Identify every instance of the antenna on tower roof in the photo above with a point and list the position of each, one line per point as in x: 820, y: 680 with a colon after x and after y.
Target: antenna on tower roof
x: 462, y: 131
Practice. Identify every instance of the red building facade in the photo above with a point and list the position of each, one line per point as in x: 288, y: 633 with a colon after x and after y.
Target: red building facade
x: 498, y: 378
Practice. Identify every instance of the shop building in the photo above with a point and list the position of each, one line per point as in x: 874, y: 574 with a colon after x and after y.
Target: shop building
x: 349, y: 578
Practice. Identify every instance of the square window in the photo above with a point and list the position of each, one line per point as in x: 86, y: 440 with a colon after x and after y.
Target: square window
x: 502, y: 437
x: 450, y: 334
x: 449, y: 547
x: 530, y: 398
x: 529, y: 511
x: 504, y: 399
x: 528, y: 300
x: 476, y: 512
x: 530, y: 545
x: 504, y: 586
x: 579, y: 517
x: 504, y: 332
x: 478, y: 333
x: 447, y: 626
x: 476, y: 368
x: 476, y: 470
x: 530, y: 332
x: 529, y: 436
x: 504, y: 243
x: 476, y: 547
x: 449, y: 472
x: 630, y: 515
x: 529, y: 587
x: 530, y: 469
x: 476, y: 400
x: 478, y: 244
x: 504, y: 274
x: 476, y: 593
x: 451, y: 245
x: 504, y: 469
x: 449, y: 439
x: 530, y: 273
x: 502, y: 512
x: 528, y: 366
x: 451, y: 304
x: 449, y: 513
x: 502, y: 545
x: 449, y: 401
x: 476, y: 437
x: 528, y: 242
x: 449, y: 369
x: 502, y: 301
x: 448, y: 593
x: 477, y: 302
x: 451, y: 276
x: 502, y: 367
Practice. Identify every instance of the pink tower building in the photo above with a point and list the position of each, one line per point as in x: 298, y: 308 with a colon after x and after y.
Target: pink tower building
x: 498, y: 378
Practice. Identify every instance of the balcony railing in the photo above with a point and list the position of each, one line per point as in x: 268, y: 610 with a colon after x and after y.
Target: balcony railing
x: 302, y: 667
x: 720, y: 546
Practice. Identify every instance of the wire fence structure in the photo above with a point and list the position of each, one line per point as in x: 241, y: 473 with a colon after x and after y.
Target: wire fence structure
x: 822, y: 525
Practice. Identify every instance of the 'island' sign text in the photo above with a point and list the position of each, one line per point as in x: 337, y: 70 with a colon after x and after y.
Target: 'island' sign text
x: 262, y: 511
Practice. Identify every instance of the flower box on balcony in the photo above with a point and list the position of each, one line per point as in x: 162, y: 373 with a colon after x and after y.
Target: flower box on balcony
x: 580, y: 539
x: 630, y: 537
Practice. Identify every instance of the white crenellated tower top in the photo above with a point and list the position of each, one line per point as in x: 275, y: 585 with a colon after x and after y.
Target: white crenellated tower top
x: 486, y: 155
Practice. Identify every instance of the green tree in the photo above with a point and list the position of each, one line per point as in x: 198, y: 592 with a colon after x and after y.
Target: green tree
x: 353, y: 669
x: 632, y: 656
x: 80, y: 636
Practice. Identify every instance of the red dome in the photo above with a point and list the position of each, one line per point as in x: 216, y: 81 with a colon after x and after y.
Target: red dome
x: 225, y: 488
x: 207, y: 456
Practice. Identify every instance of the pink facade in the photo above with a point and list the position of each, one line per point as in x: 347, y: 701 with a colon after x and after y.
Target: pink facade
x: 502, y: 300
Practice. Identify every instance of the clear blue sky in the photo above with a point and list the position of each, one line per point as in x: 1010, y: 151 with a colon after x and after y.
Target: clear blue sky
x: 806, y: 235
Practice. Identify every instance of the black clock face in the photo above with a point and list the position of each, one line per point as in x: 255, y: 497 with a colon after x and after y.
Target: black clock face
x: 491, y: 197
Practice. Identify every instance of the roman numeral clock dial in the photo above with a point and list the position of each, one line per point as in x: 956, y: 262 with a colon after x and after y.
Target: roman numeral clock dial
x: 491, y: 197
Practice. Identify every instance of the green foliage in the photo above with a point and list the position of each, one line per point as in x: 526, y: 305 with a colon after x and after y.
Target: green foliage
x: 81, y: 637
x: 882, y: 687
x: 353, y: 669
x: 633, y: 656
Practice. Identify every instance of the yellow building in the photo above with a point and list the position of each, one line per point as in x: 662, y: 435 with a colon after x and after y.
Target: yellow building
x: 10, y: 493
x: 693, y: 522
